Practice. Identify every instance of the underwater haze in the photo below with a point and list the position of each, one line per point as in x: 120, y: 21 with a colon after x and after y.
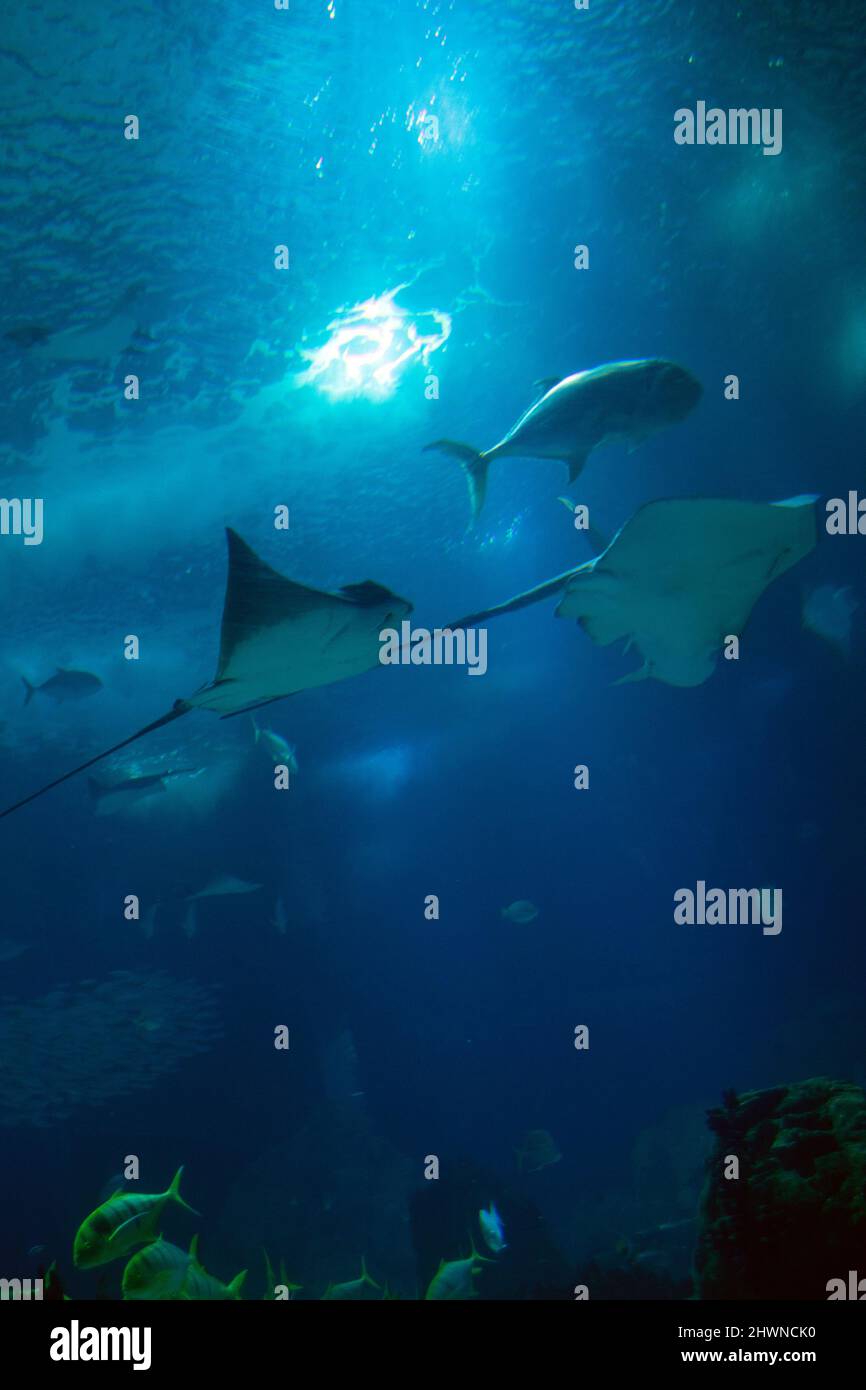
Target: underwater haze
x: 398, y: 943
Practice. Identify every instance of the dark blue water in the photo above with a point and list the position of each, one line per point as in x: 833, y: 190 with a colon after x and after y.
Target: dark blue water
x: 411, y: 1037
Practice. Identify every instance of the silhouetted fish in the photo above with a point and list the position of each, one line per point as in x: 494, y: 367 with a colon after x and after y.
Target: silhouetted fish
x: 128, y: 788
x: 65, y: 684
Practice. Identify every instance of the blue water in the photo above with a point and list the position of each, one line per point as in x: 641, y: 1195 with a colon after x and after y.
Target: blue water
x: 412, y: 1037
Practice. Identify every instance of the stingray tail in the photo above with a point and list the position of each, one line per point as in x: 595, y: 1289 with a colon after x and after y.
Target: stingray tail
x: 29, y: 690
x: 475, y: 466
x: 181, y: 707
x: 541, y: 591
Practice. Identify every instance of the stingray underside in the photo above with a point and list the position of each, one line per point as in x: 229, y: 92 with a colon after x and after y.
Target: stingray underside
x: 682, y: 575
x: 279, y: 637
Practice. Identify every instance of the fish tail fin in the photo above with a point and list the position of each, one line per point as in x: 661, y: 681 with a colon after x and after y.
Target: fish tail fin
x: 284, y: 1278
x: 237, y: 1284
x: 475, y: 465
x: 174, y: 1193
x: 365, y: 1274
x: 29, y: 690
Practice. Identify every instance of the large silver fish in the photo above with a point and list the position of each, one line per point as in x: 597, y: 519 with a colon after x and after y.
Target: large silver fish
x: 620, y: 401
x: 65, y: 684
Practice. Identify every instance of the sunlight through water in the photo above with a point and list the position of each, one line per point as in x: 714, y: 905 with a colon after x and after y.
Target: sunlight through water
x: 371, y: 345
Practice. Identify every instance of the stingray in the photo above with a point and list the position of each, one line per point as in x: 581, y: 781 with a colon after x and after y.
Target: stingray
x: 677, y: 579
x: 278, y: 637
x: 95, y: 342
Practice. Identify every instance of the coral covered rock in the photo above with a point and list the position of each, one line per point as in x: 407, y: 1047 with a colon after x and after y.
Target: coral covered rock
x: 795, y: 1217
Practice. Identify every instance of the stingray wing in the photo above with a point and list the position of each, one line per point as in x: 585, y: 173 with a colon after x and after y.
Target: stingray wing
x: 279, y: 637
x: 681, y: 575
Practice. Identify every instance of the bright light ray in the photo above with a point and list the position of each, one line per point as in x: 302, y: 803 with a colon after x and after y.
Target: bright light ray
x: 370, y: 347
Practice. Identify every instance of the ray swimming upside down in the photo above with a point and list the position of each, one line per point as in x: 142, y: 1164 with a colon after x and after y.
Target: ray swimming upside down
x: 677, y: 579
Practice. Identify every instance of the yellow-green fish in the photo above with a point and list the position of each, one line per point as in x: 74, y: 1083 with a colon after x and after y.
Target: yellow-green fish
x: 272, y: 1286
x: 203, y: 1287
x: 127, y: 1219
x: 158, y: 1271
x: 453, y: 1278
x: 353, y: 1288
x: 284, y: 1279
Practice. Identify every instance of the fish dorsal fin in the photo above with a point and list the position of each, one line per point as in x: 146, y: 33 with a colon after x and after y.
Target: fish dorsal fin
x: 367, y: 593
